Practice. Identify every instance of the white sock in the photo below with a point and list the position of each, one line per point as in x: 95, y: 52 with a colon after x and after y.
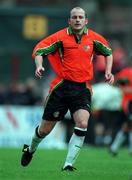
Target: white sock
x: 36, y: 139
x: 75, y: 144
x: 119, y: 139
x: 130, y: 141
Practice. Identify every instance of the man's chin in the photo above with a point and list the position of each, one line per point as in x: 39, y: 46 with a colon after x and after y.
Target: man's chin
x: 77, y: 29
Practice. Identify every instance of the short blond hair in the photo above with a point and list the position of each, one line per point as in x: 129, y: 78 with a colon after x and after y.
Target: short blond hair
x: 78, y: 8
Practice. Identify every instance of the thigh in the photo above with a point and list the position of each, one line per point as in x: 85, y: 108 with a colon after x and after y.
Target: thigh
x: 80, y: 107
x: 82, y: 100
x: 55, y: 107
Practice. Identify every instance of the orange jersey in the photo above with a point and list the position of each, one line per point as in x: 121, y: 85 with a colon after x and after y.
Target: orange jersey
x: 124, y: 79
x: 71, y: 56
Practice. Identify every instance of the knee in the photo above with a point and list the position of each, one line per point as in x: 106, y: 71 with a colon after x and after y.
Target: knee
x: 81, y: 118
x: 82, y: 124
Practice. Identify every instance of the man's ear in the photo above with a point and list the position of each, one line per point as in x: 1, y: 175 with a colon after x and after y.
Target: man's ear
x: 86, y: 21
x: 69, y: 21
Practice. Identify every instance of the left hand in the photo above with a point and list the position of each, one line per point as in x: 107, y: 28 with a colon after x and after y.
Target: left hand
x: 39, y: 72
x: 109, y: 77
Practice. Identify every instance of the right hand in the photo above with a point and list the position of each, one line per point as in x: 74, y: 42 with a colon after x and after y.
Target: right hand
x: 39, y: 72
x: 109, y: 77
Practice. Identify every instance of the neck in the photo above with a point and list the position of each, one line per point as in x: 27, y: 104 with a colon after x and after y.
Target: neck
x: 78, y: 32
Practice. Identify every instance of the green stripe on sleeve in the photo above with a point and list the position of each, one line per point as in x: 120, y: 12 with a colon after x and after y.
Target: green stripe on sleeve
x: 49, y: 49
x: 102, y: 49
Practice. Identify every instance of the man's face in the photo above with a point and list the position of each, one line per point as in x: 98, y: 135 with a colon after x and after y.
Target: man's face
x: 77, y: 19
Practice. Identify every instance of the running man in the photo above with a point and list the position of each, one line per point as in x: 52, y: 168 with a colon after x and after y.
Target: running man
x: 70, y: 52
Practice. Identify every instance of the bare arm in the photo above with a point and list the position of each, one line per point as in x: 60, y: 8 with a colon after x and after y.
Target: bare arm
x: 108, y: 74
x: 39, y: 66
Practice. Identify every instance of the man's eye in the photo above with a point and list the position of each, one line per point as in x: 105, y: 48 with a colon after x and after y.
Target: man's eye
x: 74, y: 17
x: 79, y: 17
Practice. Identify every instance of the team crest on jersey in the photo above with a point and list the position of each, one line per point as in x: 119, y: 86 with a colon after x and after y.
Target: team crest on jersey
x: 56, y: 114
x: 86, y: 47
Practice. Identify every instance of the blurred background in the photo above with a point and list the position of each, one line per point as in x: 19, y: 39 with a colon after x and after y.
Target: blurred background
x: 22, y: 24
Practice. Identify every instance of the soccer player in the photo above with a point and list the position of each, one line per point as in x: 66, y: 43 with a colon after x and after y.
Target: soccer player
x: 124, y: 80
x: 70, y: 52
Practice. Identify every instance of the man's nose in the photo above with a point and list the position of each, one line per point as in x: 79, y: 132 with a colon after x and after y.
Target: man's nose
x: 78, y: 19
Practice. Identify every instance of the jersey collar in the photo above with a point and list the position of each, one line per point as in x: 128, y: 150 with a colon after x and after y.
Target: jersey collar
x: 70, y: 30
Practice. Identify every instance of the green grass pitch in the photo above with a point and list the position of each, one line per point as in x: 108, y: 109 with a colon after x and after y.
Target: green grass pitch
x: 92, y: 164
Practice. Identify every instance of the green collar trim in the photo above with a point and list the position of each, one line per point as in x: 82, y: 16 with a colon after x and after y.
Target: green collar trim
x: 70, y: 30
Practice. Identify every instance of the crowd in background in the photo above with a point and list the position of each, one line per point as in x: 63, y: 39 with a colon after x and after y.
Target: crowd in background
x: 20, y: 93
